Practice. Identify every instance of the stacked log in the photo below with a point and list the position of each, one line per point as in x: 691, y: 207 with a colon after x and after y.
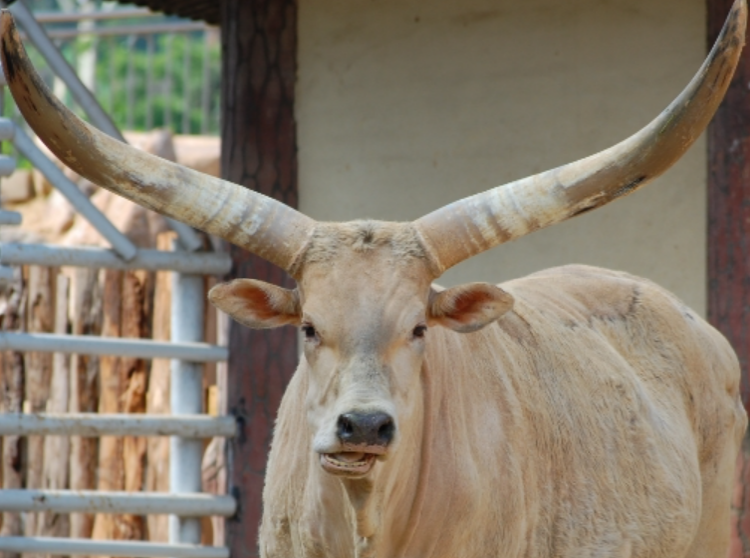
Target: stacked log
x: 11, y: 401
x: 123, y: 384
x: 157, y: 401
x: 85, y: 312
x: 57, y: 448
x: 38, y: 371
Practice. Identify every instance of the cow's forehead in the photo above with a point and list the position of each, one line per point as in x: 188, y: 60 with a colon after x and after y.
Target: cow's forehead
x: 375, y: 266
x: 332, y: 241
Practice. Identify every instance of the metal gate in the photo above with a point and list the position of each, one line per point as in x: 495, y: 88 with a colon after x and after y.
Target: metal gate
x: 186, y: 427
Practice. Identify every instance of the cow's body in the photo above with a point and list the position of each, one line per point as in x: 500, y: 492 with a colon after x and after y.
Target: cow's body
x: 600, y: 418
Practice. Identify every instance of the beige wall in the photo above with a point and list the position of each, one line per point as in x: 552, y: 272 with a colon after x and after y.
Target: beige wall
x: 406, y: 105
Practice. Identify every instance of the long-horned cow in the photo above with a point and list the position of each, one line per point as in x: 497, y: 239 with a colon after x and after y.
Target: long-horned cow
x: 574, y: 413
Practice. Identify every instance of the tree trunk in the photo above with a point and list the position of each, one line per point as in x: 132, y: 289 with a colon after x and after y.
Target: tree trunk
x: 729, y: 247
x: 85, y: 312
x: 11, y: 401
x: 38, y: 367
x: 259, y: 42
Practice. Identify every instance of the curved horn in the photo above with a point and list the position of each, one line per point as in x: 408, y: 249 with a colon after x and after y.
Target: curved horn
x: 260, y: 224
x: 472, y: 225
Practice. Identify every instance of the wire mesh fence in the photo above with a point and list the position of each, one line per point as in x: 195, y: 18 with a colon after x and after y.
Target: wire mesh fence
x: 147, y: 70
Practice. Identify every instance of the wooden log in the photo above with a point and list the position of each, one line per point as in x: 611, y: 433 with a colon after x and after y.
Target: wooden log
x: 123, y: 390
x: 111, y: 388
x: 157, y: 401
x: 135, y: 307
x: 38, y: 371
x: 86, y: 318
x: 56, y: 469
x: 11, y: 401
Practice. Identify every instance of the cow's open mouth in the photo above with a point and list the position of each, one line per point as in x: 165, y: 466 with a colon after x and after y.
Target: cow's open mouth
x: 347, y: 463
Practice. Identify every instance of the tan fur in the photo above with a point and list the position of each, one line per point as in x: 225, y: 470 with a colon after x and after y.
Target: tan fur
x: 362, y: 235
x: 599, y: 418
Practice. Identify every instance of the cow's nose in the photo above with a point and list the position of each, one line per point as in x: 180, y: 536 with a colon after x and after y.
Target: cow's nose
x: 370, y: 429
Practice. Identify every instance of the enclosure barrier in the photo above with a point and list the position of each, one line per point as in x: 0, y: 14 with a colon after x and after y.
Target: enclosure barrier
x: 59, y: 546
x: 186, y: 427
x: 94, y: 425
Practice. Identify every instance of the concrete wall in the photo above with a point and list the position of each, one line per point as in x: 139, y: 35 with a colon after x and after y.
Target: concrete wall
x: 406, y: 105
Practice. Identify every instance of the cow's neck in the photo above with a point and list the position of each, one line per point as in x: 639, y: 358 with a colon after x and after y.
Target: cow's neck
x: 381, y: 512
x: 391, y: 503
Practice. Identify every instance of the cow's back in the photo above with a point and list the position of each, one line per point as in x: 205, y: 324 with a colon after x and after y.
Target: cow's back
x: 632, y: 406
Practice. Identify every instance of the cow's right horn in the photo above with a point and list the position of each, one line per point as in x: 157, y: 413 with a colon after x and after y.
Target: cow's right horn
x: 260, y: 224
x: 472, y: 225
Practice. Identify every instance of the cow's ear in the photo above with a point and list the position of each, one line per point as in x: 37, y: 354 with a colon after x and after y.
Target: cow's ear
x: 257, y: 304
x: 468, y: 307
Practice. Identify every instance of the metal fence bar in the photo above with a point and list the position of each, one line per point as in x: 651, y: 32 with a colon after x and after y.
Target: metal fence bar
x: 149, y: 81
x: 114, y: 346
x: 205, y: 88
x: 186, y: 86
x: 10, y: 218
x: 186, y: 397
x: 130, y: 82
x: 69, y: 17
x: 77, y: 199
x: 60, y: 546
x: 140, y: 30
x: 6, y: 273
x: 207, y: 263
x: 92, y: 425
x: 100, y: 501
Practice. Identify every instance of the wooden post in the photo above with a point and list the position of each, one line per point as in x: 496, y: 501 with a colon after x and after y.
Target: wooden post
x: 38, y: 367
x: 729, y: 246
x: 55, y: 473
x: 110, y: 392
x: 134, y: 325
x: 157, y: 401
x: 85, y: 312
x: 11, y: 401
x: 123, y: 390
x: 259, y: 42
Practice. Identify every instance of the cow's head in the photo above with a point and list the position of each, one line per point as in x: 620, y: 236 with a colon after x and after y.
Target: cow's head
x: 364, y: 300
x: 364, y: 304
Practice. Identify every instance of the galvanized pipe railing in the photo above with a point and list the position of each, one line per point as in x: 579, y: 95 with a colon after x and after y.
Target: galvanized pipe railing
x: 208, y: 263
x: 100, y: 501
x: 93, y: 425
x: 186, y: 397
x: 110, y: 346
x: 130, y: 549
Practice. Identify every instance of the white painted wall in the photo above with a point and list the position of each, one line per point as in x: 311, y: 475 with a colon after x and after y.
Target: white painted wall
x: 406, y: 105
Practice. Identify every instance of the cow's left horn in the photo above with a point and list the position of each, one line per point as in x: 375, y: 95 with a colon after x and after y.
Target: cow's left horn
x: 472, y: 225
x: 268, y: 228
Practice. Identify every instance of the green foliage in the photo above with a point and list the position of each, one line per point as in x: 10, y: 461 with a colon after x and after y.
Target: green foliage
x: 159, y: 82
x: 147, y: 82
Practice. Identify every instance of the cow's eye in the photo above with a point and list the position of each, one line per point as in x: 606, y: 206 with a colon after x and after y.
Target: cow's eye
x: 309, y: 331
x: 419, y: 331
